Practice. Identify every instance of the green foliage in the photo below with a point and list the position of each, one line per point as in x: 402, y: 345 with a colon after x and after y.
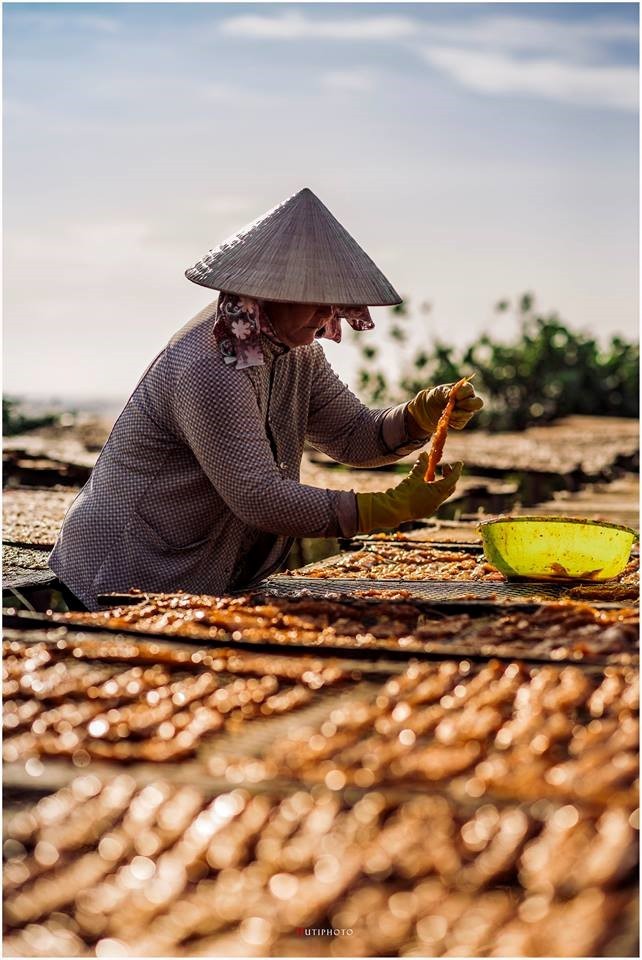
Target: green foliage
x: 14, y: 422
x: 546, y: 371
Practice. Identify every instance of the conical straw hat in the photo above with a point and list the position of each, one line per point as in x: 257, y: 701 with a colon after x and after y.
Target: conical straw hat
x: 296, y: 252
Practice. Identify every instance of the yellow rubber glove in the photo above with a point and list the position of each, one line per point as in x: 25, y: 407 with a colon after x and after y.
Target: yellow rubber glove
x: 428, y: 406
x: 412, y: 499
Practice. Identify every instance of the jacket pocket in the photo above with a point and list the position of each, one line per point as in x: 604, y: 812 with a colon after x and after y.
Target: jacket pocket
x: 142, y: 531
x: 142, y: 559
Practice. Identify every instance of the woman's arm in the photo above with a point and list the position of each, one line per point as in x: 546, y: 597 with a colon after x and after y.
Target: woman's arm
x: 348, y: 431
x: 217, y: 413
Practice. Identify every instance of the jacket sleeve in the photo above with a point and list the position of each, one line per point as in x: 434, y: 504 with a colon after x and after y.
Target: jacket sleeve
x: 217, y: 414
x: 345, y: 429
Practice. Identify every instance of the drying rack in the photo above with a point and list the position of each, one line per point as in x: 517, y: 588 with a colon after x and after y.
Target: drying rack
x: 369, y: 656
x: 434, y: 591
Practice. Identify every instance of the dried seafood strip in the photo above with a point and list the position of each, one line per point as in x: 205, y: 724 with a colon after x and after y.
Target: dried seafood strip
x: 124, y: 713
x: 51, y: 826
x: 509, y: 730
x: 41, y: 897
x: 438, y: 441
x: 625, y: 587
x: 20, y: 659
x: 18, y: 714
x: 312, y: 671
x: 171, y: 875
x: 73, y: 679
x: 57, y: 726
x: 49, y: 813
x: 563, y: 630
x: 606, y: 593
x: 387, y: 561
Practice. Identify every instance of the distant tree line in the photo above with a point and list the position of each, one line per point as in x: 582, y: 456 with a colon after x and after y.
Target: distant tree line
x: 15, y: 422
x: 546, y: 371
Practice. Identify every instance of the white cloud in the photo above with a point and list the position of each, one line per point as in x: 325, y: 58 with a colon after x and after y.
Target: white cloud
x: 496, y: 32
x: 568, y: 62
x: 602, y: 86
x: 56, y: 20
x: 296, y: 26
x: 100, y: 24
x: 530, y: 35
x: 357, y: 81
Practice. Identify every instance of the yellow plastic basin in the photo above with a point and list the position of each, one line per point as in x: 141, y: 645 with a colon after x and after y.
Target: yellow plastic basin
x: 557, y: 548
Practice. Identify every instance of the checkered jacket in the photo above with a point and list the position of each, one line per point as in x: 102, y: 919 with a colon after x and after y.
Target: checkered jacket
x: 204, y: 457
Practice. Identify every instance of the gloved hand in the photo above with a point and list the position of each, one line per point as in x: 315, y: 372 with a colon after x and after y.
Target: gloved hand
x: 412, y: 499
x: 427, y: 407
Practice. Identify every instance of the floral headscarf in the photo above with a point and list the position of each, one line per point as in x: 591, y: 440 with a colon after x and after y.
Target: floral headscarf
x: 241, y: 320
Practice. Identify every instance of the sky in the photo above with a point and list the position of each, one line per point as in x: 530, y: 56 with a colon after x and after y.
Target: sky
x: 476, y: 151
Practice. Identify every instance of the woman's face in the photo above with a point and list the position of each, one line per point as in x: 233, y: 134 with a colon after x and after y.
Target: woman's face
x: 297, y: 323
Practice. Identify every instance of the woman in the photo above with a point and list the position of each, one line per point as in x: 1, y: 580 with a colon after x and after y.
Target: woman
x: 197, y: 487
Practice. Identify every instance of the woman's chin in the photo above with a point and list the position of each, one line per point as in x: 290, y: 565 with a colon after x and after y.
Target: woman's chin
x: 304, y: 340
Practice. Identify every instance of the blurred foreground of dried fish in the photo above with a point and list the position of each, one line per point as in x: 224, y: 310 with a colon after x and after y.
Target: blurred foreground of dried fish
x: 80, y: 702
x: 109, y: 869
x: 498, y: 730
